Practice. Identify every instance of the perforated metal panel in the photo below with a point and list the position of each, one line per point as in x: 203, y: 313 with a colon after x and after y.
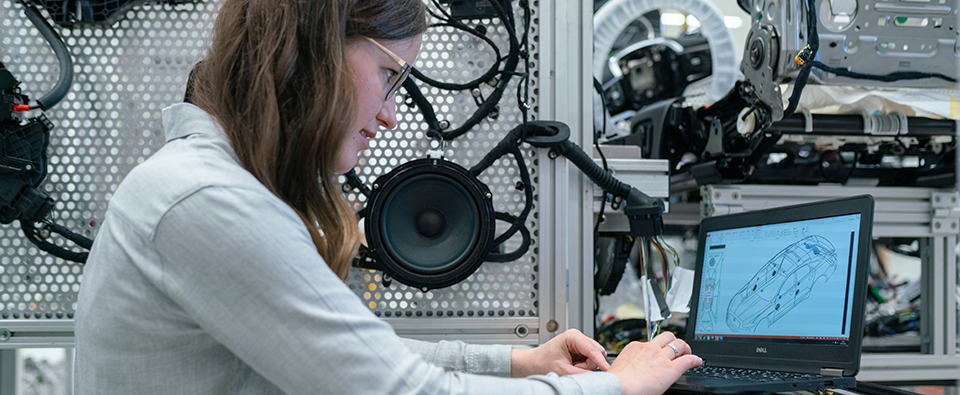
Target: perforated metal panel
x: 496, y: 289
x: 110, y: 122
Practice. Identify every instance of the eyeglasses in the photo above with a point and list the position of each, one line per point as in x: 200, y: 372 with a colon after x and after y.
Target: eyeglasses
x: 397, y: 79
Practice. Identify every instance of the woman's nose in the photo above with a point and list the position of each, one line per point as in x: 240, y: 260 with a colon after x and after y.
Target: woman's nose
x: 388, y: 113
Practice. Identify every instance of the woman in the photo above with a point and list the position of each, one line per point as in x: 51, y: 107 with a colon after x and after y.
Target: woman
x: 219, y: 268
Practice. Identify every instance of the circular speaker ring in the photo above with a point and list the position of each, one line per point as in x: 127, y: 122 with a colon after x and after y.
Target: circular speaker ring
x: 430, y: 223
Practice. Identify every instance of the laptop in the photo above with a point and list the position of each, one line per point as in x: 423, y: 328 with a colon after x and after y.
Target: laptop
x: 782, y: 291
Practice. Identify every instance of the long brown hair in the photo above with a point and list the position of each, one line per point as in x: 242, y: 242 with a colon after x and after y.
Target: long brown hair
x: 276, y: 79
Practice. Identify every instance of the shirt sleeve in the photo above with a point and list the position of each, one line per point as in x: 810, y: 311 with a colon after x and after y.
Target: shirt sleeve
x: 490, y: 360
x: 243, y: 267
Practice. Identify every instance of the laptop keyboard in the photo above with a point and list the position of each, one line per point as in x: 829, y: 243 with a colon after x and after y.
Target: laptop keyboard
x: 747, y: 374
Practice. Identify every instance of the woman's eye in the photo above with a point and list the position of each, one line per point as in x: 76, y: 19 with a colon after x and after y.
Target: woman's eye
x: 391, y: 74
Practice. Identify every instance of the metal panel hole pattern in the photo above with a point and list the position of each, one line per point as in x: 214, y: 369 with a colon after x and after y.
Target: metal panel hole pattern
x: 110, y: 122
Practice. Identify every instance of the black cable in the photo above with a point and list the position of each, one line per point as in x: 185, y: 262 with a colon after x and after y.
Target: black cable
x: 842, y: 162
x: 490, y: 103
x: 30, y: 231
x: 69, y: 235
x: 603, y: 159
x: 511, y: 144
x: 525, y: 56
x: 520, y: 221
x: 519, y: 251
x: 447, y: 16
x: 603, y: 201
x: 486, y: 76
x: 354, y: 180
x: 813, y: 42
x: 60, y: 50
x: 426, y: 109
x: 895, y: 76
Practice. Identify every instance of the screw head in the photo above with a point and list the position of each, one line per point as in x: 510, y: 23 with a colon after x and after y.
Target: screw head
x: 756, y: 53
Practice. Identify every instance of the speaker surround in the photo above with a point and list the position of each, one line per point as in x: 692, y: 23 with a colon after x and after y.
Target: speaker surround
x: 429, y: 223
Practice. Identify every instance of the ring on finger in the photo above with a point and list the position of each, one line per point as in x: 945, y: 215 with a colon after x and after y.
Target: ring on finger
x: 676, y: 351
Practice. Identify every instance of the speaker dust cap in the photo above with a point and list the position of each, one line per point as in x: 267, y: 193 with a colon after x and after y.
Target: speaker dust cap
x: 430, y: 223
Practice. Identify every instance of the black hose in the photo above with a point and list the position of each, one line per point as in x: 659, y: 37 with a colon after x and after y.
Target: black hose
x: 593, y: 171
x: 59, y: 90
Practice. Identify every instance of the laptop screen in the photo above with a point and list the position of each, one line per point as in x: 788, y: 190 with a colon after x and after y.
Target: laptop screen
x: 768, y: 281
x: 783, y: 288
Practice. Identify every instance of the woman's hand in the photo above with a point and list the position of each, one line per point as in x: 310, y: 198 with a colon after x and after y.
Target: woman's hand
x: 650, y: 368
x: 569, y: 353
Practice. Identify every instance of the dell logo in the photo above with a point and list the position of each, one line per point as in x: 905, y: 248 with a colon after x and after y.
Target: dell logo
x: 761, y: 350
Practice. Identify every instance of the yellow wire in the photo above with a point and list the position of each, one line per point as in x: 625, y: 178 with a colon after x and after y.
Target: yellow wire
x: 663, y: 259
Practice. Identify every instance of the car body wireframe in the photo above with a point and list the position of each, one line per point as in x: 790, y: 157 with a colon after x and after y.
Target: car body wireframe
x: 783, y: 282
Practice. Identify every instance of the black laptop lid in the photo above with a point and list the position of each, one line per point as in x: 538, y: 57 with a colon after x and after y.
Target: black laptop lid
x: 783, y: 288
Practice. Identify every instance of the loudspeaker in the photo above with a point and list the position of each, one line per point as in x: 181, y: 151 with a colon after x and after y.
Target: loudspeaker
x: 429, y: 223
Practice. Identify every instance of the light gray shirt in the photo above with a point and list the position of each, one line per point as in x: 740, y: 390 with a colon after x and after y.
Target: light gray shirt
x: 203, y: 282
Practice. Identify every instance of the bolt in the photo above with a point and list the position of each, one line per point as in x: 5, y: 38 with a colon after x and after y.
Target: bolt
x: 716, y: 195
x: 376, y: 186
x: 386, y: 281
x: 489, y: 195
x: 444, y: 125
x: 552, y: 326
x: 5, y: 334
x: 552, y: 154
x: 521, y: 330
x: 756, y: 53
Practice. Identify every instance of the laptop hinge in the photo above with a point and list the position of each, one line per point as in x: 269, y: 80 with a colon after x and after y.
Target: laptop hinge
x: 831, y: 372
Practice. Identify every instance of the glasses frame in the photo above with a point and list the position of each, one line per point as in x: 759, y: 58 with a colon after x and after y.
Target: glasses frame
x: 405, y: 69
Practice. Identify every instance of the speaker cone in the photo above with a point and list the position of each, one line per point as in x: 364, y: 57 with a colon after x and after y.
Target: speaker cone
x: 429, y: 223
